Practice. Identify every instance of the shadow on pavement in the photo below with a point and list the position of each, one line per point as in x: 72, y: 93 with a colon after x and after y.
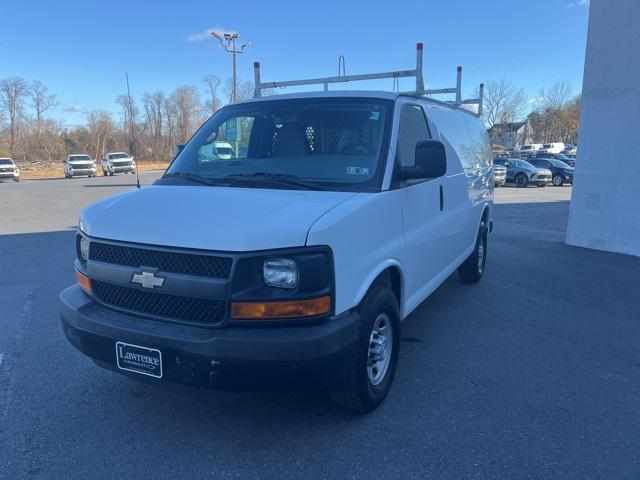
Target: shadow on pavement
x: 499, y: 377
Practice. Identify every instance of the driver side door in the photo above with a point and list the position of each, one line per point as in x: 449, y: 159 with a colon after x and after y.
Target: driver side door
x: 427, y: 235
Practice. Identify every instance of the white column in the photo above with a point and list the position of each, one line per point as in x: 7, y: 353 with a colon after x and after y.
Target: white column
x: 605, y: 208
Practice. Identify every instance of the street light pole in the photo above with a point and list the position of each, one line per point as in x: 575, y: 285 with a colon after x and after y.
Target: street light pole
x: 234, y: 97
x: 228, y: 42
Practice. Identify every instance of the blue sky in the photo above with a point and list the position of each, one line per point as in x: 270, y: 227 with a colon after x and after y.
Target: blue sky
x: 81, y: 49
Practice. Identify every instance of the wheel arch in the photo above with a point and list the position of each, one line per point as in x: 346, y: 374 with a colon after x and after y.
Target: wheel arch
x: 390, y: 273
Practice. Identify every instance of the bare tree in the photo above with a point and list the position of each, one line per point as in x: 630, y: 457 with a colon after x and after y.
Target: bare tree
x: 244, y: 90
x: 556, y: 119
x: 557, y: 96
x: 213, y: 83
x: 13, y: 91
x: 154, y: 105
x: 185, y: 103
x: 101, y: 129
x: 129, y: 115
x: 503, y: 102
x: 41, y: 98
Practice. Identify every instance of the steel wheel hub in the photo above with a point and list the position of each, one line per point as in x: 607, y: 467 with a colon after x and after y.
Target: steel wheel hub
x: 380, y: 347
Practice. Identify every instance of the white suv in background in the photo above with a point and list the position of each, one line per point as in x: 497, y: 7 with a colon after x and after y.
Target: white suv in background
x: 9, y: 170
x: 527, y: 151
x: 76, y: 165
x: 118, y: 162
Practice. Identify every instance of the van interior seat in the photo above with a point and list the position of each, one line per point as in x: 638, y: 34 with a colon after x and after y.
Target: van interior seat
x: 290, y: 141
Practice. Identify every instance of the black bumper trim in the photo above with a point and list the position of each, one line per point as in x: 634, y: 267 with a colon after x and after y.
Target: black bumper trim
x: 260, y: 358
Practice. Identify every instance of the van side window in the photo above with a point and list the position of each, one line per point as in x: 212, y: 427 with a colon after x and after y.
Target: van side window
x: 411, y: 130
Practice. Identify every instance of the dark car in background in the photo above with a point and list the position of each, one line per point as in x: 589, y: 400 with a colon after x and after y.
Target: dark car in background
x: 571, y: 161
x: 522, y: 173
x: 561, y: 173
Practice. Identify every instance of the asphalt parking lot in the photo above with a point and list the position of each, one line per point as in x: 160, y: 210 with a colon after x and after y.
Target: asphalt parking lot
x: 533, y: 373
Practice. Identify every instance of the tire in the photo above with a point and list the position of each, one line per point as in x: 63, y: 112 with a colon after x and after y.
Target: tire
x: 472, y: 269
x: 521, y: 180
x: 365, y: 387
x: 104, y: 173
x: 16, y: 179
x: 111, y: 174
x: 557, y: 180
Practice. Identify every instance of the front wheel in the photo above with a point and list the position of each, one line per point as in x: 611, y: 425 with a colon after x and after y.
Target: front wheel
x: 16, y: 179
x: 472, y: 269
x: 522, y: 180
x: 557, y: 180
x: 370, y: 377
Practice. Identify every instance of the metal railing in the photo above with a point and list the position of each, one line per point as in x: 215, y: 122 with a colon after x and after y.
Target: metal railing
x: 342, y: 77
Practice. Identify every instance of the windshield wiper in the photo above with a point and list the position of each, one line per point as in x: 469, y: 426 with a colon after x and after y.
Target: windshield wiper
x: 283, y: 178
x: 191, y: 177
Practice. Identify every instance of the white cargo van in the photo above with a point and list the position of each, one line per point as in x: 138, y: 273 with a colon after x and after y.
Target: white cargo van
x: 216, y: 151
x: 555, y: 148
x: 293, y: 265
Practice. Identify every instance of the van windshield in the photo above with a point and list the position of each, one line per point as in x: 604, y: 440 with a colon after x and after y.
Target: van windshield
x: 324, y: 144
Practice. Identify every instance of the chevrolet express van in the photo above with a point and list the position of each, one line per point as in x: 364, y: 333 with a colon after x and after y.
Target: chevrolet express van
x: 293, y: 263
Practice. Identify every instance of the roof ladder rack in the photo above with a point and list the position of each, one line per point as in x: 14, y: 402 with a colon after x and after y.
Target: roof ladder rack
x: 396, y: 74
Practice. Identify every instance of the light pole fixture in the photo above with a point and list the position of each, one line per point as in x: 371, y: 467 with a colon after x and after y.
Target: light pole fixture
x: 228, y: 42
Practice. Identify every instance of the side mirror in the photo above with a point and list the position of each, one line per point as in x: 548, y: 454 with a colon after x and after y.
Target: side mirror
x: 179, y: 148
x: 431, y: 161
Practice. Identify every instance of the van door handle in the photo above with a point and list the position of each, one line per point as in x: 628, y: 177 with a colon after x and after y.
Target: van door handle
x: 441, y: 198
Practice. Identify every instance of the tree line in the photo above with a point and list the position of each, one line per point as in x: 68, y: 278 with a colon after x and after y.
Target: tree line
x: 153, y: 124
x: 149, y: 127
x: 554, y: 114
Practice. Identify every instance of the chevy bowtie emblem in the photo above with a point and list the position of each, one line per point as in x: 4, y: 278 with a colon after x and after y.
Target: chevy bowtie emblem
x: 147, y: 279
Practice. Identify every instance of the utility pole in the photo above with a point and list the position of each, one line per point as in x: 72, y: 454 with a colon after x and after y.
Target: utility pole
x: 228, y: 42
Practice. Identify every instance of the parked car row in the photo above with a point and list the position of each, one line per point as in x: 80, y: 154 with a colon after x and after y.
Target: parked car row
x: 112, y: 163
x: 535, y: 171
x: 545, y: 150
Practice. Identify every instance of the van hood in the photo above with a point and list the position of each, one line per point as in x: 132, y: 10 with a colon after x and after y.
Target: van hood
x: 210, y: 218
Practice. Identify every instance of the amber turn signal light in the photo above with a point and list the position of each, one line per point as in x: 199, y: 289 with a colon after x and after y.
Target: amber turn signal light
x: 83, y: 281
x: 275, y: 310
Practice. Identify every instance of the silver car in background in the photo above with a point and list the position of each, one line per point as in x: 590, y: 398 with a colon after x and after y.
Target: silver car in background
x: 499, y: 175
x: 522, y: 173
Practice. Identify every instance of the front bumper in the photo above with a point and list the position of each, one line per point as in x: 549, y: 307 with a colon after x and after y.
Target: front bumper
x: 256, y: 358
x: 126, y: 169
x: 88, y: 171
x: 9, y: 175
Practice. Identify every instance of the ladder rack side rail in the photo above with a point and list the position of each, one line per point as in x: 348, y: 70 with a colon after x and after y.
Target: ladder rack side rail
x: 459, y: 86
x: 340, y: 79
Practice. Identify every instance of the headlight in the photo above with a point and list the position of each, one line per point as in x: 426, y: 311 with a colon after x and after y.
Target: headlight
x: 84, y: 248
x: 280, y: 272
